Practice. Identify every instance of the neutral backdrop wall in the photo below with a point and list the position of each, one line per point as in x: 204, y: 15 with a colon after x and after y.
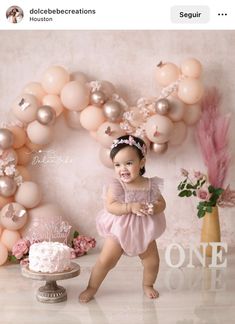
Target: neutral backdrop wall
x: 127, y: 59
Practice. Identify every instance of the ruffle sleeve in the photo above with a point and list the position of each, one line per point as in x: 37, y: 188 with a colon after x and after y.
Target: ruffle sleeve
x: 156, y: 188
x: 117, y: 190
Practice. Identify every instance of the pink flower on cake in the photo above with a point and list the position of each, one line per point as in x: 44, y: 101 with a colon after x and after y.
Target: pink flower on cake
x: 21, y: 248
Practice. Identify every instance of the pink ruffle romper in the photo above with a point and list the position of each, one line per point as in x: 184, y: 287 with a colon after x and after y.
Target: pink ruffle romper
x: 134, y: 233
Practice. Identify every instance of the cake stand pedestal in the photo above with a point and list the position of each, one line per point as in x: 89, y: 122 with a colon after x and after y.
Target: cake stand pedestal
x: 51, y: 292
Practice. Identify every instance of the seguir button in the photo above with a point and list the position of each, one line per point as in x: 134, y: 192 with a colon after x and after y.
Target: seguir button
x: 190, y: 14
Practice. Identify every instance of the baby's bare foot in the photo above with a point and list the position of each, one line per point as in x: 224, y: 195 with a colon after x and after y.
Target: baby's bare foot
x: 150, y: 292
x: 87, y: 295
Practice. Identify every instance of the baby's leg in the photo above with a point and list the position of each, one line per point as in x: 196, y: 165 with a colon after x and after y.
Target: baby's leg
x: 107, y: 259
x: 150, y: 261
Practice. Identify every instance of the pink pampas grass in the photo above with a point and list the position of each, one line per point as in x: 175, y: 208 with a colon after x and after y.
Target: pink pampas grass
x: 212, y: 135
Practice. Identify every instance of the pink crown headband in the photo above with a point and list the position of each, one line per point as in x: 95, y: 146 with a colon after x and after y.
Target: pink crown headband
x: 130, y: 141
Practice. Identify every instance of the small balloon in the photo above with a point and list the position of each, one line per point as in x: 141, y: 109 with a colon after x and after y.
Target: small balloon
x: 162, y: 106
x: 13, y: 216
x: 54, y: 79
x: 46, y: 115
x: 7, y: 186
x: 159, y: 148
x: 112, y: 110
x: 72, y: 118
x: 6, y: 138
x: 191, y: 68
x: 190, y: 91
x: 97, y: 98
x: 54, y: 102
x: 167, y: 73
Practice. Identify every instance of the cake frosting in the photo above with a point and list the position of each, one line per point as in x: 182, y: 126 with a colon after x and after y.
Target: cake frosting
x: 49, y: 257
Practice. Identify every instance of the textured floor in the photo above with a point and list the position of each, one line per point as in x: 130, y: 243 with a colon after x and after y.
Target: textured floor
x: 187, y: 296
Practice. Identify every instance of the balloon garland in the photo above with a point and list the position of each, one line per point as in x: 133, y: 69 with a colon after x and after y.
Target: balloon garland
x: 96, y: 107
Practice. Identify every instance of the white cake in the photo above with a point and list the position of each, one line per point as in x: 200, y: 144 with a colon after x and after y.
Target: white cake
x: 49, y: 257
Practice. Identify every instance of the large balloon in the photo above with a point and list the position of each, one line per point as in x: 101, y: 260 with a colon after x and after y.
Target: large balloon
x: 190, y: 91
x: 178, y: 134
x: 28, y: 194
x: 91, y: 118
x: 54, y: 78
x: 75, y: 96
x: 25, y: 108
x: 80, y: 77
x: 54, y: 102
x: 7, y: 186
x: 167, y: 73
x: 159, y: 128
x: 191, y: 68
x: 13, y: 216
x: 9, y: 238
x: 3, y: 253
x: 38, y: 133
x: 6, y: 138
x: 105, y: 158
x: 35, y: 89
x: 192, y: 114
x: 107, y: 132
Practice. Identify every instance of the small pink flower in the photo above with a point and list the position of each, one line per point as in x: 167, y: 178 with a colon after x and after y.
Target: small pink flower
x: 184, y: 172
x: 21, y: 248
x: 24, y: 262
x: 82, y: 244
x: 203, y: 194
x: 72, y: 254
x: 198, y: 175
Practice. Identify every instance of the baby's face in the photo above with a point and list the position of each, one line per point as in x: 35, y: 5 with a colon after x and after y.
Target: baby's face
x: 127, y: 164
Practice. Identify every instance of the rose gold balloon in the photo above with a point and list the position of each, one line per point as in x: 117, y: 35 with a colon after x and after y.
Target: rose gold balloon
x: 159, y: 148
x: 104, y: 157
x: 158, y: 128
x: 107, y: 88
x: 35, y: 89
x: 97, y: 98
x: 39, y: 134
x: 25, y: 108
x: 72, y: 118
x: 191, y: 68
x: 28, y: 194
x: 167, y: 73
x: 9, y: 238
x: 6, y: 138
x: 24, y: 155
x: 3, y: 253
x: 46, y: 115
x: 54, y: 79
x: 190, y: 91
x: 113, y: 110
x: 19, y: 136
x: 54, y: 102
x: 177, y: 109
x: 91, y: 118
x: 108, y: 132
x: 7, y: 186
x: 13, y: 216
x: 178, y: 134
x: 162, y: 106
x: 80, y: 77
x: 192, y: 114
x: 75, y: 96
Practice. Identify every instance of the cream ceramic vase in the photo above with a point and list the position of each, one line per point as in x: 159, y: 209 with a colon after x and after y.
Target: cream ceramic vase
x: 210, y: 229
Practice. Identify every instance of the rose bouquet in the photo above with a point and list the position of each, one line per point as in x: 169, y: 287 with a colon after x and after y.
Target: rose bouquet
x: 81, y: 244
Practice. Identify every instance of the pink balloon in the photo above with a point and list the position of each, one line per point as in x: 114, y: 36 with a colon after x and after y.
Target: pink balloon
x: 35, y: 89
x: 3, y: 253
x: 177, y: 108
x: 91, y: 118
x: 159, y: 148
x: 191, y: 68
x: 72, y: 118
x: 104, y: 157
x: 9, y: 238
x: 41, y: 219
x: 25, y: 108
x: 178, y: 134
x: 192, y: 114
x: 108, y: 132
x: 39, y: 134
x: 80, y: 77
x: 17, y: 217
x: 190, y: 91
x: 167, y: 73
x: 54, y: 79
x: 159, y: 128
x: 54, y: 102
x: 75, y: 96
x: 28, y: 194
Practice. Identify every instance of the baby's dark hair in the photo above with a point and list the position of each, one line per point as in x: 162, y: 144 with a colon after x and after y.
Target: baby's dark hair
x: 119, y: 144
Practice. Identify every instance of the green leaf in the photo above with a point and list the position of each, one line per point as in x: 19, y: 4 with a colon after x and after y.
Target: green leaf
x: 209, y: 209
x: 12, y: 258
x: 194, y: 193
x: 75, y: 234
x: 189, y: 193
x: 183, y: 193
x: 201, y: 213
x: 189, y: 186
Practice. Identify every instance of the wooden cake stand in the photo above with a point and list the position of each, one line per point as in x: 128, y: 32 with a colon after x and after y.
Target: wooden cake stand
x: 51, y: 292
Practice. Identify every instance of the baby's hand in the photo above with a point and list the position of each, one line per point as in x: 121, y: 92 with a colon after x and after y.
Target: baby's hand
x: 139, y: 209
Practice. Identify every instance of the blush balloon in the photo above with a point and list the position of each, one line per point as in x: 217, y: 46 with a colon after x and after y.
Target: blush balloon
x: 192, y: 114
x: 91, y: 118
x: 54, y: 79
x: 54, y: 102
x: 35, y: 89
x: 24, y: 155
x: 9, y: 238
x: 23, y: 172
x: 191, y: 68
x: 28, y: 194
x: 75, y: 96
x: 105, y: 158
x: 178, y: 134
x: 167, y: 73
x: 5, y: 200
x: 159, y: 128
x: 177, y: 108
x: 108, y: 132
x: 80, y: 77
x: 25, y: 108
x: 19, y: 136
x: 39, y: 134
x: 3, y: 253
x: 72, y: 118
x: 190, y: 91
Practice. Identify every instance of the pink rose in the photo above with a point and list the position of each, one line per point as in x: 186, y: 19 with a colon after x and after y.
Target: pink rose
x: 82, y: 244
x: 21, y: 248
x: 198, y: 175
x: 203, y: 194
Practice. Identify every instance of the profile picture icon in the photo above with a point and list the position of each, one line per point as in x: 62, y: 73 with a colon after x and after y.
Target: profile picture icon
x: 14, y: 14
